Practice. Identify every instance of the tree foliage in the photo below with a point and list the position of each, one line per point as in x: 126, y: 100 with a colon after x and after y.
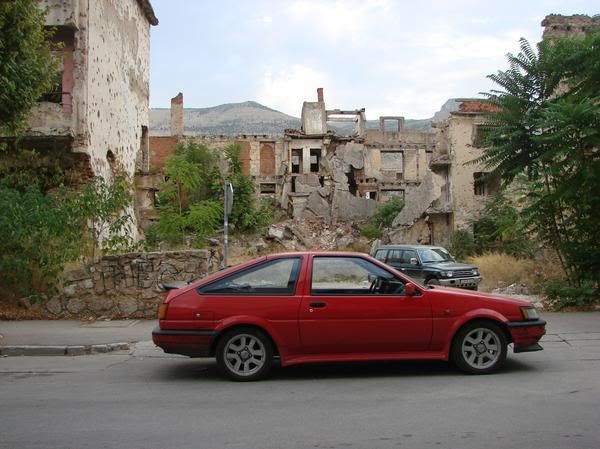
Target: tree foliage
x: 42, y: 231
x: 27, y: 66
x: 547, y: 130
x: 191, y: 197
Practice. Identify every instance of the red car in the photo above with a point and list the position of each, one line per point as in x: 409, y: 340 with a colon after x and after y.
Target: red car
x: 337, y: 306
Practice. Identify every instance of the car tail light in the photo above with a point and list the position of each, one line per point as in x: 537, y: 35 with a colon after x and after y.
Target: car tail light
x: 162, y: 311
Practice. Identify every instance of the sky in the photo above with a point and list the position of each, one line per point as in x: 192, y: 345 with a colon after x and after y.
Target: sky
x: 392, y: 57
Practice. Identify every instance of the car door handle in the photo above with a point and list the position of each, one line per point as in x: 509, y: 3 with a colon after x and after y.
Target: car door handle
x: 318, y: 304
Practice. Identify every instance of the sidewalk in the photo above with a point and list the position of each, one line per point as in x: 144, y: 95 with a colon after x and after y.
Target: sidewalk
x: 70, y: 337
x: 67, y: 337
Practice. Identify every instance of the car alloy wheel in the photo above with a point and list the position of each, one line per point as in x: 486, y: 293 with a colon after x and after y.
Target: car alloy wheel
x: 480, y: 348
x: 245, y: 355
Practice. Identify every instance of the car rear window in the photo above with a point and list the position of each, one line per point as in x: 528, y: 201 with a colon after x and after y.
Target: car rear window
x: 273, y: 277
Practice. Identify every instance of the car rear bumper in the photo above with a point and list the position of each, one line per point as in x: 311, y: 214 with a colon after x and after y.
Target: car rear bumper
x: 471, y: 282
x: 193, y: 343
x: 526, y: 334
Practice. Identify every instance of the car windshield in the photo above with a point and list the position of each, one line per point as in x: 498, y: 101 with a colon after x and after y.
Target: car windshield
x: 430, y: 255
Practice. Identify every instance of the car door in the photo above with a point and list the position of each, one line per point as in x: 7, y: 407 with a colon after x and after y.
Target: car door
x: 341, y: 312
x: 415, y: 271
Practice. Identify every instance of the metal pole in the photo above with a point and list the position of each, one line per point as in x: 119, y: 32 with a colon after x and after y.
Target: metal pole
x: 225, y: 224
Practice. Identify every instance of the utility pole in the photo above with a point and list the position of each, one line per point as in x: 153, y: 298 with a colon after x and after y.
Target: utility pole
x: 227, y: 206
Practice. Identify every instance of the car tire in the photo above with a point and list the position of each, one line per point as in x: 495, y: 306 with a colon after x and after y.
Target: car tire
x: 433, y: 281
x: 244, y: 354
x: 480, y: 347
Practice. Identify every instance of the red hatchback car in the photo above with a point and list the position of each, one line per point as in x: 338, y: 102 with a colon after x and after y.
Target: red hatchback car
x: 327, y: 307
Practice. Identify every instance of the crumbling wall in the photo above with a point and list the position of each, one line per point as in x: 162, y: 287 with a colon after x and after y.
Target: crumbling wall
x: 118, y: 74
x: 127, y: 285
x: 466, y: 205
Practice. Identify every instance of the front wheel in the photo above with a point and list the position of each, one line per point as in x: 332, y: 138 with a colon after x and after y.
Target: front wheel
x: 479, y: 348
x: 433, y: 281
x: 244, y: 354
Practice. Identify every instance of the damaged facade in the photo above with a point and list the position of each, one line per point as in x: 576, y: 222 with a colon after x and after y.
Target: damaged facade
x: 97, y: 115
x: 315, y: 172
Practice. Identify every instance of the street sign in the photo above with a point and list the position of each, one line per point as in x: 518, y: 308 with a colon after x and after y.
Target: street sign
x: 228, y: 197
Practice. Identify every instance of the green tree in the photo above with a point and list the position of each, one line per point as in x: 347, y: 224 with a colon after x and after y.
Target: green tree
x: 382, y: 218
x: 547, y: 129
x: 27, y: 66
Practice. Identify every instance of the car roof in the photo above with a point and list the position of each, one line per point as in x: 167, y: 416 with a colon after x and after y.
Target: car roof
x: 407, y: 246
x: 316, y: 253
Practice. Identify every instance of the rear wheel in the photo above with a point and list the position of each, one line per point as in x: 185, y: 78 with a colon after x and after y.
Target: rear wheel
x: 244, y: 354
x: 479, y: 348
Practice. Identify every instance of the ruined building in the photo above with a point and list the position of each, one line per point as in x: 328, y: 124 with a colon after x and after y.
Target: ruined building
x: 316, y: 172
x: 97, y: 115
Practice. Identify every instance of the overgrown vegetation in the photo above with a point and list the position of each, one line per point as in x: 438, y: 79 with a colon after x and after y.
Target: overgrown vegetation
x: 27, y: 66
x: 545, y: 136
x: 43, y: 230
x: 191, y: 198
x: 383, y: 218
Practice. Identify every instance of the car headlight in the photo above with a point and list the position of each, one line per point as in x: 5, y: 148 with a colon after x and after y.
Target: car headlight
x: 475, y: 272
x: 529, y: 313
x: 449, y: 274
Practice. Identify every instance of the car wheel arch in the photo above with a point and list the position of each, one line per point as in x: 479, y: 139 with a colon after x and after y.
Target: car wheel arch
x: 479, y: 318
x: 226, y: 330
x: 499, y: 323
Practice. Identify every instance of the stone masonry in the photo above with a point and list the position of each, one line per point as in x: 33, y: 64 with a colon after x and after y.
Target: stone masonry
x: 127, y: 285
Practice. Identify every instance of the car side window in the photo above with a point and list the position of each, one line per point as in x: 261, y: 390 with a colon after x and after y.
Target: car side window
x: 274, y: 277
x: 352, y: 276
x: 381, y: 254
x: 394, y: 256
x: 407, y: 255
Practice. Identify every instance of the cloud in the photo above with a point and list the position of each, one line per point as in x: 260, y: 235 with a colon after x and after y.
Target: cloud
x: 287, y: 88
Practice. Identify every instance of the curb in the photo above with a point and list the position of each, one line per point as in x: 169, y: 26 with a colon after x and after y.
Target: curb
x: 68, y: 350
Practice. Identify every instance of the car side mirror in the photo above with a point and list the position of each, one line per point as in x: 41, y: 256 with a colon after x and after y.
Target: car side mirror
x: 409, y: 288
x: 414, y: 261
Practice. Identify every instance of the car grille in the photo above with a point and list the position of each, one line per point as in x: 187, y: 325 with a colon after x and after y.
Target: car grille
x: 463, y: 273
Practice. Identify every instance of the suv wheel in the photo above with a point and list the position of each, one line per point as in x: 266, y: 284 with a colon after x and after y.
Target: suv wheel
x: 433, y: 281
x: 244, y: 354
x: 479, y: 348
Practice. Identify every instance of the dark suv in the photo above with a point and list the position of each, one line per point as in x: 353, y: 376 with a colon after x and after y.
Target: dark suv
x: 432, y: 265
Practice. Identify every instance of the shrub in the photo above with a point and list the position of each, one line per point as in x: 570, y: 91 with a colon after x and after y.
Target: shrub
x: 385, y: 213
x: 462, y: 244
x: 560, y: 294
x: 371, y: 232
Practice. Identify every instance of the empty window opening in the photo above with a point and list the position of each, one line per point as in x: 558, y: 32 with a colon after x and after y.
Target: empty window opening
x: 352, y: 187
x: 479, y: 183
x: 297, y: 161
x: 293, y: 184
x: 315, y: 160
x: 371, y: 195
x: 268, y: 188
x: 112, y: 162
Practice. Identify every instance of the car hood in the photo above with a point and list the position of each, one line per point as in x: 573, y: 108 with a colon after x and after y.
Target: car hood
x: 459, y: 294
x: 449, y: 266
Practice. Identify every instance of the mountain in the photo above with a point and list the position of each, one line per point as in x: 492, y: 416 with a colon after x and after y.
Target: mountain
x: 251, y: 117
x: 248, y: 117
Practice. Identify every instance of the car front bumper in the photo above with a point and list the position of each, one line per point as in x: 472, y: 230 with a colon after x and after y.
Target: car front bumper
x: 526, y: 334
x: 193, y: 343
x: 471, y: 282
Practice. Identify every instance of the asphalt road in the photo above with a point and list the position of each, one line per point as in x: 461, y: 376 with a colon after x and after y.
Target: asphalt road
x: 548, y: 399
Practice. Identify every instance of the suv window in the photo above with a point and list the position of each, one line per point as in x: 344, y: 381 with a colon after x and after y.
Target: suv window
x: 380, y: 254
x: 352, y: 276
x: 407, y: 254
x: 275, y: 277
x: 394, y: 256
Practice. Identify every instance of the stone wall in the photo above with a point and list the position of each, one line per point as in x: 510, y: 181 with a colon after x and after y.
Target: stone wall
x: 127, y: 285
